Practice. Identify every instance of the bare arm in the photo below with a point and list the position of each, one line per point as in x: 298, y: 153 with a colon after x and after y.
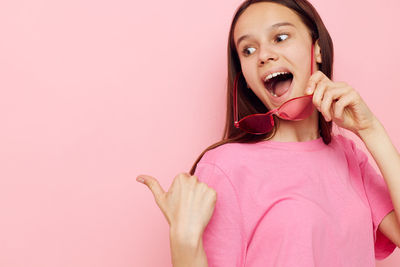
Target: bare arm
x: 186, y: 252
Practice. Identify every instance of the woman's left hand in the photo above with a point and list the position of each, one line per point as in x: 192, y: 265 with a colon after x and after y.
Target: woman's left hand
x: 339, y: 102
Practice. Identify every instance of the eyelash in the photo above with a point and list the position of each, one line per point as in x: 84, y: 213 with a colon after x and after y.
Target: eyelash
x: 245, y: 48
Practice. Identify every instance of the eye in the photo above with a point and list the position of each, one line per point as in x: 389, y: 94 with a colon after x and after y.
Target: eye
x: 246, y: 50
x: 282, y: 34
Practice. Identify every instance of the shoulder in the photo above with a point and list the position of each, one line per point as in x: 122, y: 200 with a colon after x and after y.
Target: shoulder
x: 343, y: 142
x: 350, y: 148
x: 217, y: 167
x: 224, y: 155
x: 229, y: 159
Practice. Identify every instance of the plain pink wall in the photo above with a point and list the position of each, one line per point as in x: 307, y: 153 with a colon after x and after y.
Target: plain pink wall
x: 94, y: 93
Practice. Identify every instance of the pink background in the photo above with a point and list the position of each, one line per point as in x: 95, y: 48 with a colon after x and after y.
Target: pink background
x: 94, y: 93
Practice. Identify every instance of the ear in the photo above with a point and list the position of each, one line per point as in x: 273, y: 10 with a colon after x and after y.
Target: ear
x: 317, y: 52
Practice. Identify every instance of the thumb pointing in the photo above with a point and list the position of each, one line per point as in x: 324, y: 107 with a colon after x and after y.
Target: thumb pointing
x: 153, y: 185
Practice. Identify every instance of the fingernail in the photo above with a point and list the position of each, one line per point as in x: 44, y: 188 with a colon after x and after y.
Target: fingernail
x: 140, y: 180
x: 309, y: 90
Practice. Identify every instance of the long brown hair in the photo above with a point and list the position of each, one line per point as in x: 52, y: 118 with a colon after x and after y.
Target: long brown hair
x: 248, y: 102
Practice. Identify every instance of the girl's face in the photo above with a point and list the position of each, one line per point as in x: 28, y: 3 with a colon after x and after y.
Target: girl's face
x: 271, y: 38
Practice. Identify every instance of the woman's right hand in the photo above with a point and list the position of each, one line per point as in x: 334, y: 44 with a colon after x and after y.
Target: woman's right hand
x: 188, y: 205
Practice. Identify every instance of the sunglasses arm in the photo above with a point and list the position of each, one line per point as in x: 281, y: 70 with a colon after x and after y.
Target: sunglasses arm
x: 235, y: 115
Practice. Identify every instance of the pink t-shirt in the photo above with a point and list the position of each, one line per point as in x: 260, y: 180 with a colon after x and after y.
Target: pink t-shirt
x: 303, y: 204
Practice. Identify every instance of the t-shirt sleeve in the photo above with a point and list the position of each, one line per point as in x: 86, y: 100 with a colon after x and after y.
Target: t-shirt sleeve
x: 223, y: 239
x: 380, y: 203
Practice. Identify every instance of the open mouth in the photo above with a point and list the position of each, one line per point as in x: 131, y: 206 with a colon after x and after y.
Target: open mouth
x: 279, y: 84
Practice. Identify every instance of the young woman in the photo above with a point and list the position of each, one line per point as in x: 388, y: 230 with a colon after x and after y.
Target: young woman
x: 280, y: 189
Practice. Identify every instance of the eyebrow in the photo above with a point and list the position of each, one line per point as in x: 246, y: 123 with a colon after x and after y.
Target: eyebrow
x: 276, y: 25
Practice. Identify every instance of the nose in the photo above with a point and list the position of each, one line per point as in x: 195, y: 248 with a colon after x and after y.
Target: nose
x: 266, y: 54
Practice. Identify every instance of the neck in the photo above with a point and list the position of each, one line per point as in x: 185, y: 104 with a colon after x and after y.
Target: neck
x: 298, y: 131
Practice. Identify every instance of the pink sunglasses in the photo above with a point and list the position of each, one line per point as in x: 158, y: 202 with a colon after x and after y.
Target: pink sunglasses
x: 294, y: 109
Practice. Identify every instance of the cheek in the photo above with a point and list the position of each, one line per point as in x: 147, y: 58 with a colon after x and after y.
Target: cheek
x: 302, y: 64
x: 302, y: 59
x: 250, y: 75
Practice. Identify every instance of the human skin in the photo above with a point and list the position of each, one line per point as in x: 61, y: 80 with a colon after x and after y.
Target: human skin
x: 187, y: 206
x: 284, y: 46
x: 337, y: 101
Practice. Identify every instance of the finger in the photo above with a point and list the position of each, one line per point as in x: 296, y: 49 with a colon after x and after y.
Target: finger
x: 315, y: 78
x: 329, y: 96
x: 182, y: 179
x: 341, y: 104
x: 154, y: 186
x: 319, y: 93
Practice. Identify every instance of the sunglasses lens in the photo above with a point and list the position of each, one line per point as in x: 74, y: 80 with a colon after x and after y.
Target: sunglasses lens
x: 296, y: 109
x: 257, y: 123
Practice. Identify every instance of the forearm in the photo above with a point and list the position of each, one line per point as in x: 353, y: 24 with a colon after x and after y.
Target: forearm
x: 187, y: 251
x: 387, y: 158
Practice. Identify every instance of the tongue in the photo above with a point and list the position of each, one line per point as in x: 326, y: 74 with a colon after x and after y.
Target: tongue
x: 281, y: 87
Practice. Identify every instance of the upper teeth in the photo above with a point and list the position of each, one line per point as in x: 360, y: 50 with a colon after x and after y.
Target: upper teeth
x: 274, y: 75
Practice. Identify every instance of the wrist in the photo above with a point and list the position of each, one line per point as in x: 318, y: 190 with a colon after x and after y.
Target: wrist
x: 185, y: 237
x: 187, y: 250
x: 372, y: 130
